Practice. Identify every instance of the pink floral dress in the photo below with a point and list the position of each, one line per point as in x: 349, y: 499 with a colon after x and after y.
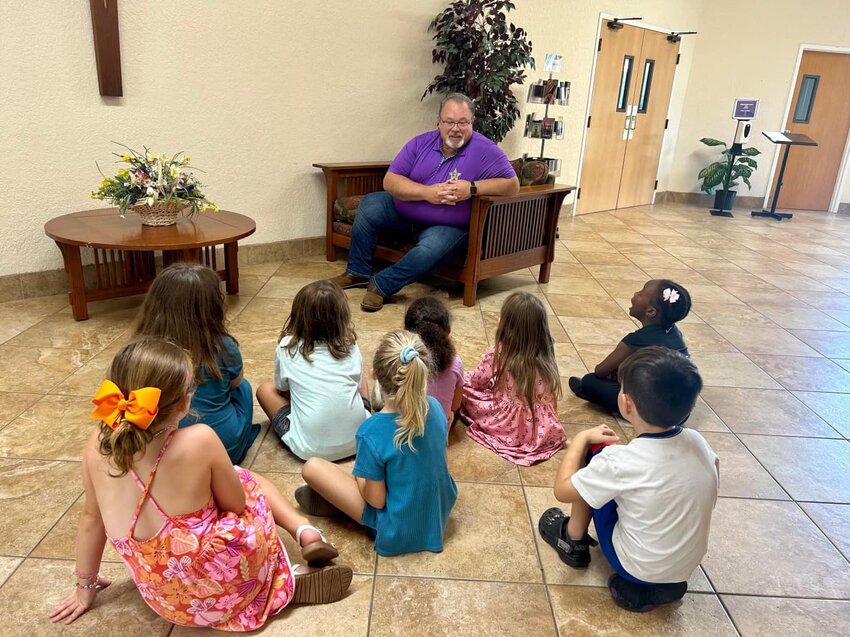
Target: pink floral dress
x: 211, y: 568
x: 501, y: 421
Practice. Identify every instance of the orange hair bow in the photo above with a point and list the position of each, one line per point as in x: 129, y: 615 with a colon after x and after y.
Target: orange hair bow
x: 140, y: 408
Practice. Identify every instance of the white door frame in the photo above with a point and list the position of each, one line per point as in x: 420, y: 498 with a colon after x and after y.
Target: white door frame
x: 604, y: 17
x: 841, y: 178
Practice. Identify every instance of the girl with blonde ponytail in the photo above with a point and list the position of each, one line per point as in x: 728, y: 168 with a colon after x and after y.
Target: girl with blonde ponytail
x: 198, y: 535
x: 401, y: 488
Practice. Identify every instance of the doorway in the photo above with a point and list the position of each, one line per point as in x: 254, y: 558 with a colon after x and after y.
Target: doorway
x: 630, y: 98
x: 820, y: 109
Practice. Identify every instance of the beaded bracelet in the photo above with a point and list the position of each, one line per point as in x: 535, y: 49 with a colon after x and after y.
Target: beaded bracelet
x: 86, y: 587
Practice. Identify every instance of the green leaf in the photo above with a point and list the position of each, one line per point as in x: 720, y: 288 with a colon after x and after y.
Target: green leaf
x: 710, y: 141
x: 749, y: 151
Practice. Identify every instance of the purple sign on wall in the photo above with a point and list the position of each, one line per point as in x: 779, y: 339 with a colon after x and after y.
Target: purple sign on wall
x: 745, y: 108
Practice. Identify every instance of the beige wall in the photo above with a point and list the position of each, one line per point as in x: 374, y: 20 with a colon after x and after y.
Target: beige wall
x: 254, y: 91
x: 749, y: 49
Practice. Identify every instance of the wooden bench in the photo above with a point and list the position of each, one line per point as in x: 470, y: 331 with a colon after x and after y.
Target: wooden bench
x: 505, y: 233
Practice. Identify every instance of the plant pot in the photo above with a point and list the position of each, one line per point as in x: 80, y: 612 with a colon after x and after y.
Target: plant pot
x: 159, y: 214
x: 724, y: 204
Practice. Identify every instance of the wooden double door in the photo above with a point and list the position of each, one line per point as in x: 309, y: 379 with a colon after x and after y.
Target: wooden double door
x: 628, y: 116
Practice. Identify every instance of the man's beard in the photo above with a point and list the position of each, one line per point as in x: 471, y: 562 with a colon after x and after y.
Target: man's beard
x: 455, y: 144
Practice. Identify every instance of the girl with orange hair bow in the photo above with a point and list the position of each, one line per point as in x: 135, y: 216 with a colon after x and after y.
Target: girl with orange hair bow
x: 198, y: 535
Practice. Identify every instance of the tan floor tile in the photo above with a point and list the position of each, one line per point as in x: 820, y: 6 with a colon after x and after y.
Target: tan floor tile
x: 258, y: 342
x: 576, y: 245
x: 824, y: 300
x: 283, y: 287
x: 791, y: 282
x: 12, y: 404
x: 310, y: 269
x: 573, y: 409
x: 622, y: 288
x: 741, y: 475
x: 806, y: 467
x: 592, y: 355
x: 33, y: 434
x: 258, y: 371
x: 38, y: 585
x: 841, y: 315
x: 760, y: 616
x: 470, y: 352
x: 59, y: 543
x: 794, y: 316
x: 804, y: 374
x: 704, y: 338
x: 834, y: 521
x: 596, y: 331
x: 355, y: 547
x: 498, y: 508
x: 765, y: 411
x: 725, y: 314
x: 597, y: 574
x: 33, y: 496
x: 585, y: 306
x: 732, y: 370
x: 270, y: 313
x: 765, y: 340
x: 472, y: 462
x: 38, y: 369
x: 17, y: 316
x: 580, y: 286
x: 408, y: 606
x: 601, y: 258
x: 8, y: 566
x: 833, y: 408
x: 569, y: 363
x: 749, y: 554
x: 703, y: 419
x: 560, y: 270
x: 261, y: 269
x: 251, y: 284
x: 579, y: 611
x: 86, y: 380
x: 543, y: 473
x: 830, y: 344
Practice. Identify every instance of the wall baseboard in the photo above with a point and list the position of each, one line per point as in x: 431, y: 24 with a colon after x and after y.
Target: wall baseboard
x: 702, y: 199
x: 14, y: 287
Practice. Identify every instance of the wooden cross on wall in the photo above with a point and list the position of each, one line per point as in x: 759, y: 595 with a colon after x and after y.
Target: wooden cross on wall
x: 104, y: 22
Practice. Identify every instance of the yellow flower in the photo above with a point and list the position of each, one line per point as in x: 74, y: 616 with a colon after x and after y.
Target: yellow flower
x: 123, y: 173
x: 186, y: 159
x: 125, y: 157
x: 153, y: 155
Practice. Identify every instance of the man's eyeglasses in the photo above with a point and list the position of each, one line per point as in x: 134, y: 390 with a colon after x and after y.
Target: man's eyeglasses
x: 450, y: 124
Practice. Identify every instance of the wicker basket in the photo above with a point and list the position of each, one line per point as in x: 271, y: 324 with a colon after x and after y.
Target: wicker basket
x: 159, y: 214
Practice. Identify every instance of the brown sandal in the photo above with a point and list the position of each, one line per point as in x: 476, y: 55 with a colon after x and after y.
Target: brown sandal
x: 319, y: 552
x: 322, y: 586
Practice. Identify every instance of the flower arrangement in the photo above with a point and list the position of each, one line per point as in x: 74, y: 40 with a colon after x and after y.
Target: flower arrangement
x: 154, y: 180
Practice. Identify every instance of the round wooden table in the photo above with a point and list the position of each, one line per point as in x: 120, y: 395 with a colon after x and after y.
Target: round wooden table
x: 124, y: 250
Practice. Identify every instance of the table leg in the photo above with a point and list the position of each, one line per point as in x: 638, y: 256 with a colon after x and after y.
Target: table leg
x: 191, y: 255
x: 779, y: 216
x: 76, y: 285
x: 231, y: 267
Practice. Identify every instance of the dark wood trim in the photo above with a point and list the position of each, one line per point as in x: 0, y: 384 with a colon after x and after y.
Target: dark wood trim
x: 107, y: 49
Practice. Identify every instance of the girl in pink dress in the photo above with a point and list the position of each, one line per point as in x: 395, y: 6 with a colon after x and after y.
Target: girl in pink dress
x: 198, y: 535
x: 510, y: 400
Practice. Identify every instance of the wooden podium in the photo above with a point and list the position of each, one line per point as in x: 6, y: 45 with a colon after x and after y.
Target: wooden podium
x: 788, y: 140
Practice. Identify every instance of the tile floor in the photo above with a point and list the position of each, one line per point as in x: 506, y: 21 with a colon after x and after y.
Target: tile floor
x: 770, y: 331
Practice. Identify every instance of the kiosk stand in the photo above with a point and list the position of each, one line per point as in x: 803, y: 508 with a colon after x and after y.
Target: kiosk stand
x: 788, y: 140
x: 744, y: 111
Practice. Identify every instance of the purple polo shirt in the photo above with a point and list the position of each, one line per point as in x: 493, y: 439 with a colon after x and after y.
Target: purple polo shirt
x: 421, y: 160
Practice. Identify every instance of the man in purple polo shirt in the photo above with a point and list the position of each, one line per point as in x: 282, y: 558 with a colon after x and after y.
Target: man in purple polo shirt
x: 426, y: 197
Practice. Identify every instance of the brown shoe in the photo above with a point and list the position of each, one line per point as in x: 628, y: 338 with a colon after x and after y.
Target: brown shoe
x: 321, y: 586
x: 372, y: 301
x: 348, y: 280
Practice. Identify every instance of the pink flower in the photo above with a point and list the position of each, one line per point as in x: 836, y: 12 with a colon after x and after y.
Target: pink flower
x: 228, y: 601
x: 223, y: 567
x: 203, y: 615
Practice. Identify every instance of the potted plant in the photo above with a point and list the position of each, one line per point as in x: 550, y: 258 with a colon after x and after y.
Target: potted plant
x: 156, y: 186
x: 719, y: 177
x: 483, y: 55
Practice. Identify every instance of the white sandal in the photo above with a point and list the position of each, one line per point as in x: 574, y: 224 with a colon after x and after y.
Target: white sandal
x: 316, y: 552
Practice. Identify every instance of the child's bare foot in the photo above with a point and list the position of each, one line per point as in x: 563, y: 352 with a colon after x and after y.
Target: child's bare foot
x: 315, y: 548
x: 320, y: 585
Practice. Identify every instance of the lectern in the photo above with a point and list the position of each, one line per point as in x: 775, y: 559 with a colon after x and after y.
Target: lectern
x: 788, y: 140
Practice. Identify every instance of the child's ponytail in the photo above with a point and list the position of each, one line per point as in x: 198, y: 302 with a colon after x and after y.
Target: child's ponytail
x: 123, y: 443
x: 402, y: 364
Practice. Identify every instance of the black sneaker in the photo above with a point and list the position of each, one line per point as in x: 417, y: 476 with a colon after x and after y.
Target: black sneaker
x: 576, y: 388
x: 553, y: 529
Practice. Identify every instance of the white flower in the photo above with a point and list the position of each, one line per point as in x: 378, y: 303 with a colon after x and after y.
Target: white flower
x: 671, y: 295
x: 149, y: 201
x: 150, y: 190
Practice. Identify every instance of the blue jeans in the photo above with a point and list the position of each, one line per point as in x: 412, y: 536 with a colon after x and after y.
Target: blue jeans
x: 376, y: 215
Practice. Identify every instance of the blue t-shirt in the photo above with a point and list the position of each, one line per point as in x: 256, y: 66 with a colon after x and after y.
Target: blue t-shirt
x: 420, y: 489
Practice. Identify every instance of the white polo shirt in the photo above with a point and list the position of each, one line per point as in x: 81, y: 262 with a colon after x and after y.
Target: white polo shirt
x: 665, y: 487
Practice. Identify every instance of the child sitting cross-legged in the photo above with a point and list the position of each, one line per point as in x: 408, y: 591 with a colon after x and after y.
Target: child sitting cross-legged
x: 650, y: 500
x: 659, y: 305
x: 198, y: 535
x: 401, y: 490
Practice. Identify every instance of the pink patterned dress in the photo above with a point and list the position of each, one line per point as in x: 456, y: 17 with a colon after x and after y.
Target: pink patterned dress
x: 501, y: 421
x: 211, y: 568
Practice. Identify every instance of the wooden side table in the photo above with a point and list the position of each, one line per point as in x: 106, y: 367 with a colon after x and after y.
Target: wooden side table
x: 124, y: 250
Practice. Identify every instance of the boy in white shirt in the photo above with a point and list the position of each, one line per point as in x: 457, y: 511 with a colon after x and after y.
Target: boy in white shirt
x: 650, y: 500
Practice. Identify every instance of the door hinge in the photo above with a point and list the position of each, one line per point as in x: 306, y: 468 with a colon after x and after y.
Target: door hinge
x: 666, y: 123
x: 588, y: 120
x: 656, y: 185
x: 599, y: 46
x: 578, y: 194
x: 678, y: 55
